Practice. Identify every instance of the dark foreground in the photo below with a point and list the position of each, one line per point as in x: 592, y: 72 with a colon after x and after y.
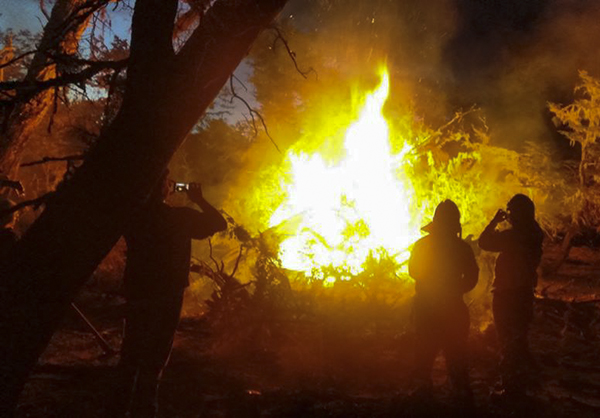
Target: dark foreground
x: 317, y: 373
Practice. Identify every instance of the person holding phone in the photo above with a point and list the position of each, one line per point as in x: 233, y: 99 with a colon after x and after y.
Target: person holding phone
x: 515, y: 278
x: 156, y: 275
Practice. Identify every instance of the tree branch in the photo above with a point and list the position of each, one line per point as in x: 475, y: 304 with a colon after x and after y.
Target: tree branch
x: 36, y: 203
x: 63, y: 23
x: 76, y: 157
x: 253, y: 112
x: 29, y: 89
x: 291, y: 53
x: 112, y: 87
x: 17, y: 58
x: 198, y: 55
x: 237, y: 261
x: 43, y: 10
x: 210, y: 254
x: 79, y: 15
x: 83, y: 221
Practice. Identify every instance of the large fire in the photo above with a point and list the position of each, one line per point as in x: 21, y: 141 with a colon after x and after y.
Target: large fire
x: 358, y: 207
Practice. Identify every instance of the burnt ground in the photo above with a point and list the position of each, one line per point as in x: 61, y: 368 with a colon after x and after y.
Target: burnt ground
x: 314, y: 371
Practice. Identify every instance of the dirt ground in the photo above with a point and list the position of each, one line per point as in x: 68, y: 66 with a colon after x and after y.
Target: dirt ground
x: 316, y: 372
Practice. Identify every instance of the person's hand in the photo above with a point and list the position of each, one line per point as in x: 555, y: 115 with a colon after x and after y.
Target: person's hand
x: 195, y: 193
x: 500, y: 216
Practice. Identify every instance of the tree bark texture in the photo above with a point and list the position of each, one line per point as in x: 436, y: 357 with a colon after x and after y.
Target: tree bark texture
x: 165, y: 95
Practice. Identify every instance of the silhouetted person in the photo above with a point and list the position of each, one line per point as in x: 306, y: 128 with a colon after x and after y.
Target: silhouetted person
x: 515, y: 278
x: 444, y: 269
x: 156, y: 275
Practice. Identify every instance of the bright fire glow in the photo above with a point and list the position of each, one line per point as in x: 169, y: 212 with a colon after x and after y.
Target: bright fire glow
x: 358, y: 207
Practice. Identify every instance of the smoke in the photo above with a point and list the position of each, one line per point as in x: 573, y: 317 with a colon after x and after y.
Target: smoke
x: 508, y: 57
x: 514, y: 57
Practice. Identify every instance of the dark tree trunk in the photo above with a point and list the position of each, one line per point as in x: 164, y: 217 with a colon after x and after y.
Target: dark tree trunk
x: 165, y: 95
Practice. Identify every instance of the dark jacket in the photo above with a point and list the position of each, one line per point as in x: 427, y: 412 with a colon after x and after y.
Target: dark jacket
x: 159, y: 248
x: 520, y: 254
x: 443, y: 267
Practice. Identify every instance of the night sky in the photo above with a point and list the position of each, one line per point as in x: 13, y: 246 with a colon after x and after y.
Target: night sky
x: 508, y: 56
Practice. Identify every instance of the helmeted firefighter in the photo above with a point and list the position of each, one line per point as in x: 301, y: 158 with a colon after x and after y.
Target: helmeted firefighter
x: 444, y: 269
x: 515, y: 278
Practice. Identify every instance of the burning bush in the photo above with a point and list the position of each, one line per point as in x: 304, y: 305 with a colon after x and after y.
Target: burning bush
x: 339, y: 220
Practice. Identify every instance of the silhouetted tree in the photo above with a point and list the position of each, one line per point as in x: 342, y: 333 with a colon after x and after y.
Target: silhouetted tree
x: 165, y: 94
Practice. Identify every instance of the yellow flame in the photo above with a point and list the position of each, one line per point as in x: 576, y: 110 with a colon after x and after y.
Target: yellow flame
x: 355, y: 208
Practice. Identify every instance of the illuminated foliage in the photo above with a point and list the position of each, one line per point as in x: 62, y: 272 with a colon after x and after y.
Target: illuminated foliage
x: 580, y: 123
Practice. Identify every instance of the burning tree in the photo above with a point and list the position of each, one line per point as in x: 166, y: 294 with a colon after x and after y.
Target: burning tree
x: 337, y: 214
x: 369, y: 186
x: 580, y: 123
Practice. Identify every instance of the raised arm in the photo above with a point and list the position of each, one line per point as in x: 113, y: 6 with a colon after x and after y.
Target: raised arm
x: 492, y: 240
x: 200, y: 224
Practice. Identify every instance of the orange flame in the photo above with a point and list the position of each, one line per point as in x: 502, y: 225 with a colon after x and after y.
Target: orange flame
x: 357, y: 208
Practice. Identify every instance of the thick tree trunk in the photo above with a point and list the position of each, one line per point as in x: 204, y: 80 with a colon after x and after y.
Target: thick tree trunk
x: 60, y: 35
x: 165, y: 95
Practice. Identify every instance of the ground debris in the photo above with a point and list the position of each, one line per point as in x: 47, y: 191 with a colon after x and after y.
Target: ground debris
x: 298, y: 367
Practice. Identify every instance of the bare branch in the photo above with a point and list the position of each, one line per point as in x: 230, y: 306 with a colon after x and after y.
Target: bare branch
x: 17, y: 58
x: 70, y: 59
x: 291, y: 53
x: 237, y: 261
x: 197, y: 56
x: 112, y: 87
x: 210, y: 254
x: 43, y: 10
x: 76, y: 157
x: 458, y: 117
x: 35, y: 203
x: 81, y: 13
x: 240, y: 81
x: 30, y: 89
x: 64, y: 22
x: 253, y: 112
